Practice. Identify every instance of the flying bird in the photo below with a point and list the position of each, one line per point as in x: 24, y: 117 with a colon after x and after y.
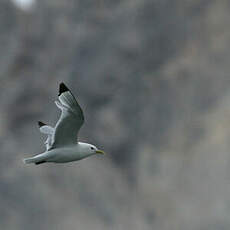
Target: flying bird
x: 61, y: 144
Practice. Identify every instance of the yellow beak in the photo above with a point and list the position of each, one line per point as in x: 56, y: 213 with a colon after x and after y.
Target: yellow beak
x: 100, y: 152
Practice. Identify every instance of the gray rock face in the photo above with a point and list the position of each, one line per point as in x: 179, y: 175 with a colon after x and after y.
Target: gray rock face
x: 152, y: 79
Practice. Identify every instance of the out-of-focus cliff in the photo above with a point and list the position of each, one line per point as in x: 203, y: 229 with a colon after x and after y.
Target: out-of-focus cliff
x: 152, y: 78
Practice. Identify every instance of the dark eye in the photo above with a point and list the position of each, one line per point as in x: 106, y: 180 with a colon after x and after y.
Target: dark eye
x: 92, y: 148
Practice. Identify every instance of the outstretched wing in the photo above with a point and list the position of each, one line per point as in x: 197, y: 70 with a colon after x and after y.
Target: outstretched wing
x: 44, y: 128
x: 70, y: 121
x: 48, y: 130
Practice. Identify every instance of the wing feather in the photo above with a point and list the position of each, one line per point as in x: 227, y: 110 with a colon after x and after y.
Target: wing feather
x: 70, y: 121
x: 48, y: 130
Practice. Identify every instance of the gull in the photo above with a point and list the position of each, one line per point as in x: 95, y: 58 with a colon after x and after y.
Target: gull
x: 62, y: 145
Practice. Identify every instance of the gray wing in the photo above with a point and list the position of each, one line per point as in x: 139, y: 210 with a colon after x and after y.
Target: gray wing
x: 70, y: 121
x: 48, y: 130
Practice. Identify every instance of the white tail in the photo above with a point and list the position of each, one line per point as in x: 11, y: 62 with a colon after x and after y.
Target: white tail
x: 29, y: 160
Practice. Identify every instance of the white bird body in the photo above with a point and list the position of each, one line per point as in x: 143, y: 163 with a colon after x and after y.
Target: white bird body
x: 61, y: 144
x: 70, y: 153
x: 63, y: 155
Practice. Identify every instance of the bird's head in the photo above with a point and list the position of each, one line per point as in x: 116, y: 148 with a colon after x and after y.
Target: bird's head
x: 94, y: 150
x: 91, y: 149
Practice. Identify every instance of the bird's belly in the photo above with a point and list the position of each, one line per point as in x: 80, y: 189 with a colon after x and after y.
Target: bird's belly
x: 64, y: 159
x: 64, y: 155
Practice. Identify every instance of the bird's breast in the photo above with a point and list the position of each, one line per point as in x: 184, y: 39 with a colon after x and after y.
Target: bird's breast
x: 66, y: 154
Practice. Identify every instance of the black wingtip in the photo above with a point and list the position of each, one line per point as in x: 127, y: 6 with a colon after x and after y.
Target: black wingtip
x: 62, y: 88
x: 40, y: 124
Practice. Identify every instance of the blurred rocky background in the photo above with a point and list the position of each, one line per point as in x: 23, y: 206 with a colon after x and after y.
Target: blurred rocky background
x: 153, y: 79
